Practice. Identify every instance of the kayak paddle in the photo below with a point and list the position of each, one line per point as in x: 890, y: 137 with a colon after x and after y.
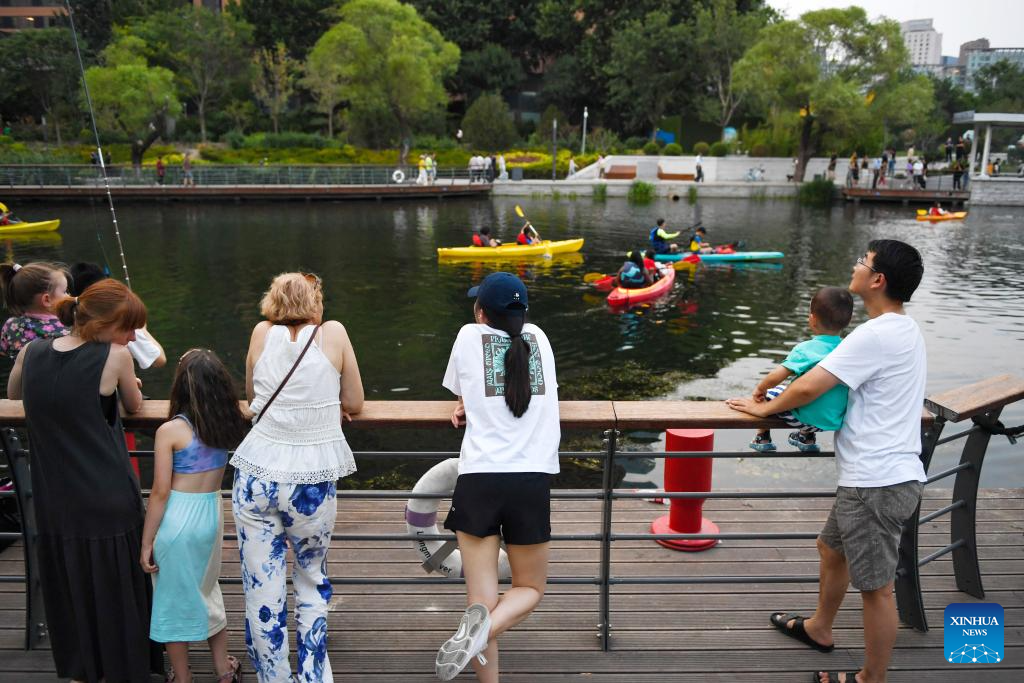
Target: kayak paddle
x: 593, y: 277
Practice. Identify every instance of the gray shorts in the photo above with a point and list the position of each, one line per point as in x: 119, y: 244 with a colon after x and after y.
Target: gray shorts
x: 865, y: 525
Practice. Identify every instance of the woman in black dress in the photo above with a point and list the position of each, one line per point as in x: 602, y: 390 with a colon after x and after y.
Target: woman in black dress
x: 88, y: 504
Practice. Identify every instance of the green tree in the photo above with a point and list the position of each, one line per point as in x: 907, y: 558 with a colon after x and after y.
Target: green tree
x: 274, y: 81
x: 95, y: 19
x: 207, y: 51
x: 39, y: 77
x: 646, y: 74
x: 325, y: 77
x: 296, y: 23
x: 830, y: 67
x: 488, y: 123
x: 498, y: 41
x: 489, y: 69
x: 130, y: 97
x: 393, y: 64
x: 722, y: 34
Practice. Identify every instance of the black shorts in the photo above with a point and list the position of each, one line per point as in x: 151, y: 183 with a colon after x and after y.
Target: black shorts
x: 514, y: 505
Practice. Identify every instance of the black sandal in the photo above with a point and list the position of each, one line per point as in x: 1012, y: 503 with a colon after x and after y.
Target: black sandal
x: 779, y: 621
x: 851, y: 677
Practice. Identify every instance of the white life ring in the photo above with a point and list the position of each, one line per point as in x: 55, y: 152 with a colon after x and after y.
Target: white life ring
x: 398, y: 176
x: 421, y: 518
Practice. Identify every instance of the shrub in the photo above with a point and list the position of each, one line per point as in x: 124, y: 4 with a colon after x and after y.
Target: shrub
x: 701, y: 148
x: 719, y: 149
x: 488, y: 123
x: 760, y: 150
x: 817, y: 192
x: 635, y: 142
x: 640, y: 192
x: 600, y: 193
x: 288, y: 140
x: 603, y: 140
x: 234, y: 139
x: 652, y: 149
x: 673, y: 149
x: 691, y: 195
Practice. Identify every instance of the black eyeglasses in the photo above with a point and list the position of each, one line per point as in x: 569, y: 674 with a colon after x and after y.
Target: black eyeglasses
x: 863, y: 262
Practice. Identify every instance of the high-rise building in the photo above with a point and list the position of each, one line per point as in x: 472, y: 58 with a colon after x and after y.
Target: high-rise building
x: 979, y: 59
x: 923, y: 42
x: 979, y: 44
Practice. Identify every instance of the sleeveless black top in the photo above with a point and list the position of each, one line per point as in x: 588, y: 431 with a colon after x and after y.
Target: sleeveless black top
x: 82, y: 479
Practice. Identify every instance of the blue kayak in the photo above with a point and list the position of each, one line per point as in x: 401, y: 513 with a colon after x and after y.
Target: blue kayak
x: 734, y: 256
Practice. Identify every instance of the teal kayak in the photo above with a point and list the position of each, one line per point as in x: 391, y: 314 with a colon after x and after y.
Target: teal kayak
x: 734, y: 256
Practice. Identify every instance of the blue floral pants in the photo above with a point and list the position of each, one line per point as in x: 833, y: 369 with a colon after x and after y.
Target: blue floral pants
x: 270, y: 516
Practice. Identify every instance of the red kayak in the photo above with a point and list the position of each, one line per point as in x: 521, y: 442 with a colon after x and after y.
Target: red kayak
x: 621, y: 296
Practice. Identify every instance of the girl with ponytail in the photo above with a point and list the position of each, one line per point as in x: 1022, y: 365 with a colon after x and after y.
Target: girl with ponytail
x: 88, y: 506
x: 503, y: 371
x: 30, y: 293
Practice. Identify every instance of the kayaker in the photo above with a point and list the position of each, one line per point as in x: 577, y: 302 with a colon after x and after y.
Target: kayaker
x: 937, y: 210
x: 528, y: 235
x: 8, y: 218
x: 484, y: 239
x: 660, y: 239
x: 651, y: 265
x: 633, y: 274
x: 697, y: 244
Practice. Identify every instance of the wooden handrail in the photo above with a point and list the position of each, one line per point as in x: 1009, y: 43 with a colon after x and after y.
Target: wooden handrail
x: 954, y: 405
x: 963, y: 403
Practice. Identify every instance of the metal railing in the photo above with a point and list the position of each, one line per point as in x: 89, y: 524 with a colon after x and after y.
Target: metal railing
x: 86, y: 175
x: 617, y: 418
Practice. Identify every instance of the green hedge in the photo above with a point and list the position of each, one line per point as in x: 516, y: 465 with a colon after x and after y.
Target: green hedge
x: 719, y: 149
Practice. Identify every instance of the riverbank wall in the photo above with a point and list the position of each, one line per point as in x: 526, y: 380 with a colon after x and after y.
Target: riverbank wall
x: 677, y: 190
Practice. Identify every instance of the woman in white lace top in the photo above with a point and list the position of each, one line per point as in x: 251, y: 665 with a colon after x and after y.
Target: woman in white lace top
x: 286, y: 470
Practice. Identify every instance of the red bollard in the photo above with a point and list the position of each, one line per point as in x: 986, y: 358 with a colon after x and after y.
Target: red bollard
x: 687, y: 474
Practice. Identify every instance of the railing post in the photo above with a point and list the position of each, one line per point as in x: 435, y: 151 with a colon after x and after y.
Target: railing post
x: 909, y: 601
x: 604, y: 626
x: 35, y: 616
x: 963, y: 520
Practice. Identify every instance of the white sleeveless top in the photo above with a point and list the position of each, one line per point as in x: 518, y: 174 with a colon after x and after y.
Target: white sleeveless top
x: 299, y: 440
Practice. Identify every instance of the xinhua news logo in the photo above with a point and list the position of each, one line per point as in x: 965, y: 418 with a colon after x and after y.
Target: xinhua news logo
x: 973, y: 633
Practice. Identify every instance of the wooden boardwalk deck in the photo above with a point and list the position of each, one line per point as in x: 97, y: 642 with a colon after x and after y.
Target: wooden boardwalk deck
x: 659, y: 633
x: 906, y: 196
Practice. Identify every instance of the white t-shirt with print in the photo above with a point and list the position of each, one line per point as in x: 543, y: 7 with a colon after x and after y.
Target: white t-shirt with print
x: 496, y: 440
x: 883, y: 363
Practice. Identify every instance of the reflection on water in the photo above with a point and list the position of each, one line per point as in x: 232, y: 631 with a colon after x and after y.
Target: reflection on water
x: 202, y: 268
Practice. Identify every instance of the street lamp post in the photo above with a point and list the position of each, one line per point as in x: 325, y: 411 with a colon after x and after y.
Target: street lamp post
x: 583, y: 151
x: 554, y: 149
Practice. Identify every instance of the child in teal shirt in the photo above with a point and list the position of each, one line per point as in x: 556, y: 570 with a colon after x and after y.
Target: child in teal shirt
x: 831, y: 310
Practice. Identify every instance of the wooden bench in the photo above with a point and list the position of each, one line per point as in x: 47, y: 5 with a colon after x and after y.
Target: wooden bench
x: 674, y: 170
x: 621, y: 172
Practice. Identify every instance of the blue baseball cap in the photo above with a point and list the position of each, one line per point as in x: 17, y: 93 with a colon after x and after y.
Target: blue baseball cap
x: 502, y: 293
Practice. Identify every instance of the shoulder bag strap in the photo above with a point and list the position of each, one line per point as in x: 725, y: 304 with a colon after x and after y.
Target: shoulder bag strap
x: 290, y: 373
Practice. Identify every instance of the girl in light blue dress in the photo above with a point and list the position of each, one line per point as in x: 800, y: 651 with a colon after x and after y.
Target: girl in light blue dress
x: 181, y: 541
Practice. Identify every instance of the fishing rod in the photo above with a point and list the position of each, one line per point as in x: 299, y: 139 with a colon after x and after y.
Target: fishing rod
x: 99, y: 150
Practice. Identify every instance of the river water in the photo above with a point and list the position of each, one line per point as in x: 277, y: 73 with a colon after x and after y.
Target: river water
x: 202, y: 268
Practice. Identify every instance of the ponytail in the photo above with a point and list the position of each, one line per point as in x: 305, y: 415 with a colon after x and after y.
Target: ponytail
x: 65, y: 310
x: 106, y: 305
x: 517, y: 361
x: 22, y: 284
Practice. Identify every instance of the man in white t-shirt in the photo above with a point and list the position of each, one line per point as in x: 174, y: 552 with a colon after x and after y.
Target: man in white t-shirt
x: 878, y: 448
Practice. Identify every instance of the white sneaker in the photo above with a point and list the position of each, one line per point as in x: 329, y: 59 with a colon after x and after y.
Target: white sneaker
x: 469, y: 641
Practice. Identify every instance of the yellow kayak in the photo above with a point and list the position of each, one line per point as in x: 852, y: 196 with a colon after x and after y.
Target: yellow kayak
x: 951, y: 216
x: 23, y: 228
x: 544, y: 248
